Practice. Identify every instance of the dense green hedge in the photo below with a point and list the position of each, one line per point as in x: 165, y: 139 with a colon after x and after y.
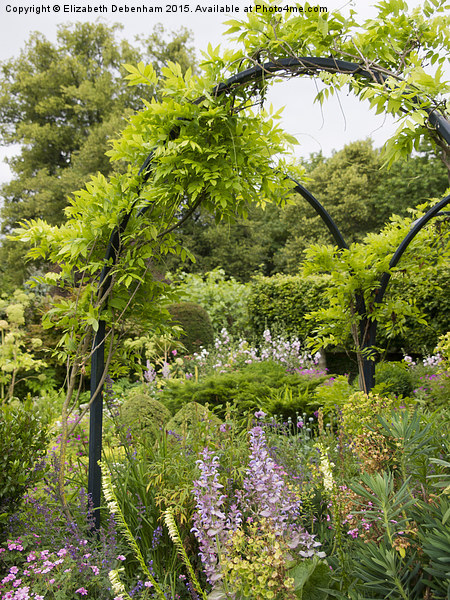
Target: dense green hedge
x: 281, y: 302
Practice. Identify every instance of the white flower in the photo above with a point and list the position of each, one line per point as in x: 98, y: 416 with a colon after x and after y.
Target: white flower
x: 325, y: 468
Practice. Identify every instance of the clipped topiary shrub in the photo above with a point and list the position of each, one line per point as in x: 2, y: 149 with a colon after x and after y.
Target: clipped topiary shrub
x: 196, y: 325
x: 282, y: 301
x: 193, y: 418
x: 144, y: 415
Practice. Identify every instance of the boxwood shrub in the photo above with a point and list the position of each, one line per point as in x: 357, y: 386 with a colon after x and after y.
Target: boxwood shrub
x: 196, y: 324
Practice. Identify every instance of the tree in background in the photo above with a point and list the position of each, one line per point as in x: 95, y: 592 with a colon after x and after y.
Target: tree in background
x: 242, y: 248
x: 62, y: 102
x: 359, y: 195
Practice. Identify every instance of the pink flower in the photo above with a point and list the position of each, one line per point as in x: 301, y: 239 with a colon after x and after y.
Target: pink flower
x: 95, y: 569
x: 22, y: 593
x: 353, y: 532
x: 121, y: 557
x: 15, y: 545
x: 14, y: 570
x: 83, y: 591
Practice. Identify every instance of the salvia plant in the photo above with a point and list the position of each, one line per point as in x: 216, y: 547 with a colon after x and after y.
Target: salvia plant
x: 265, y: 508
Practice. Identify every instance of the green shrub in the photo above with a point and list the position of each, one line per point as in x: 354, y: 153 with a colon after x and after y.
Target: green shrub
x: 144, y: 415
x: 289, y: 403
x: 246, y: 388
x: 225, y: 299
x: 23, y: 445
x: 360, y: 411
x: 194, y: 421
x: 281, y: 302
x: 394, y: 377
x: 333, y: 393
x: 196, y: 324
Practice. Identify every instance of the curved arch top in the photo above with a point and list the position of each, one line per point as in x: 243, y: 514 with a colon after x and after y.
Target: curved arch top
x: 296, y: 66
x: 311, y: 65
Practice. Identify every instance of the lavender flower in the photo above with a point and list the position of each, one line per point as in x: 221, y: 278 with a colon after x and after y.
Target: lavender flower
x: 150, y: 373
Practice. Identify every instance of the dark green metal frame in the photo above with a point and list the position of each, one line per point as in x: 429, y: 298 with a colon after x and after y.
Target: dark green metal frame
x: 302, y: 66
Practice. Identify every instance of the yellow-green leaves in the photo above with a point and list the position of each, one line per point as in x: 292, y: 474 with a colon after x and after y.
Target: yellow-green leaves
x: 193, y: 145
x: 142, y: 74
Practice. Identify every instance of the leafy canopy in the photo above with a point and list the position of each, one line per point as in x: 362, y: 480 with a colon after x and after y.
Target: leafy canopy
x: 61, y: 102
x: 214, y: 149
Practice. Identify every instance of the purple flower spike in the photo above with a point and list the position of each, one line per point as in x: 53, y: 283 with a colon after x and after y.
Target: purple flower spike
x: 265, y: 492
x: 211, y: 525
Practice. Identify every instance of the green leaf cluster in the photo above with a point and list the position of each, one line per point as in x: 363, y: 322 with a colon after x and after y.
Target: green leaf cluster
x: 415, y: 38
x: 23, y: 441
x: 62, y: 102
x: 355, y: 275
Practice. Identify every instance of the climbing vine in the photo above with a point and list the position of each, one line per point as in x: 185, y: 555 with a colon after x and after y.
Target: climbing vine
x: 210, y: 144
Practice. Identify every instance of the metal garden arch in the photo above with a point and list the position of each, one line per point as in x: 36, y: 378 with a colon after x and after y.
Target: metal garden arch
x: 296, y: 67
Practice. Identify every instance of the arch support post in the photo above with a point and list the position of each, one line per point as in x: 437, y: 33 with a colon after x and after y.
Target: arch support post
x: 96, y: 422
x: 368, y: 326
x: 367, y: 371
